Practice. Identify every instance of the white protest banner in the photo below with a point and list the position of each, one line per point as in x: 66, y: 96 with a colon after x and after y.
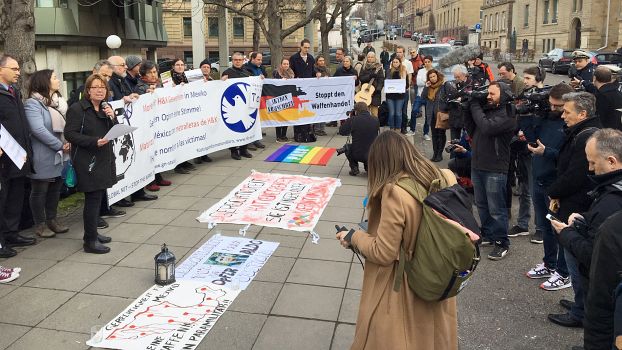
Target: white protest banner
x: 291, y: 202
x: 305, y: 101
x: 13, y: 150
x: 173, y: 317
x: 180, y: 123
x: 224, y: 261
x: 394, y: 86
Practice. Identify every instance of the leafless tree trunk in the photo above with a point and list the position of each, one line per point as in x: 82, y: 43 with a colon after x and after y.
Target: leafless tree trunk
x: 256, y: 29
x: 344, y: 26
x: 17, y: 31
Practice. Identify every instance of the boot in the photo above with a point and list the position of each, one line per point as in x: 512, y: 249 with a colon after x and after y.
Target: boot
x: 57, y: 227
x: 95, y: 248
x: 103, y: 239
x: 235, y: 155
x: 42, y: 231
x: 246, y: 154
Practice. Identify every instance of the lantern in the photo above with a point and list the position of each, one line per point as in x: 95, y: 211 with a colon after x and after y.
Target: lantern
x: 164, y: 267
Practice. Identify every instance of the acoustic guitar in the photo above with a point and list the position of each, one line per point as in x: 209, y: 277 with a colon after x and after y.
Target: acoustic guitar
x: 367, y: 91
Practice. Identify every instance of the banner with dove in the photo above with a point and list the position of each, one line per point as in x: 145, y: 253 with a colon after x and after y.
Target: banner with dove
x: 179, y: 123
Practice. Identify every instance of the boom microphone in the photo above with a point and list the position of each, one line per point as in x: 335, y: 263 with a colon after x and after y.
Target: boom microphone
x: 460, y: 55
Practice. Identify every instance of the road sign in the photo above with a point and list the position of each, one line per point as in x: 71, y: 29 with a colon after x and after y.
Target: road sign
x: 478, y: 26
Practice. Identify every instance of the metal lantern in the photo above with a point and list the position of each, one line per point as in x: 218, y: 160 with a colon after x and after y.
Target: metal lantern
x: 164, y: 267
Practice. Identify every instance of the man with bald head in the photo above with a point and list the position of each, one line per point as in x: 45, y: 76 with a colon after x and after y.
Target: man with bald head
x: 118, y: 85
x: 608, y: 98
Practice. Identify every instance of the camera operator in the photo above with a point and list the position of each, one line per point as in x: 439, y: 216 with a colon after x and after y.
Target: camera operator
x: 491, y: 126
x: 364, y: 129
x: 460, y: 160
x: 582, y: 71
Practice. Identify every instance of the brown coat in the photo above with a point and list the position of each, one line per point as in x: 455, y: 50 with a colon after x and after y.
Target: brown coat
x: 398, y: 320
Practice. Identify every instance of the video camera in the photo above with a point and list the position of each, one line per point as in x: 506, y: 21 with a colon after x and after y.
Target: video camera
x: 472, y: 94
x: 534, y: 101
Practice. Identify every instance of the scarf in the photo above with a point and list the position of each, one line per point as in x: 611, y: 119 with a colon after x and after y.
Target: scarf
x: 433, y: 89
x: 179, y: 78
x: 57, y: 107
x: 285, y: 74
x: 322, y: 70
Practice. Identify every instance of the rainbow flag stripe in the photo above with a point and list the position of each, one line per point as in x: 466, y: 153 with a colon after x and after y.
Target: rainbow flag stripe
x: 302, y: 155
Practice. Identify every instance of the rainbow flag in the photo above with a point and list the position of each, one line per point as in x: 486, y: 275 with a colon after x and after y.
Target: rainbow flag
x: 302, y: 155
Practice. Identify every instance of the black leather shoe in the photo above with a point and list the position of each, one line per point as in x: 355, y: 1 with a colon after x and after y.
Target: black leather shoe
x: 180, y: 170
x: 251, y: 146
x: 7, y: 252
x: 566, y: 304
x: 102, y: 224
x: 235, y: 155
x: 258, y: 144
x: 124, y: 203
x: 206, y: 159
x: 17, y: 240
x: 188, y: 166
x: 95, y: 248
x: 246, y: 154
x: 103, y: 239
x: 144, y: 197
x: 566, y: 320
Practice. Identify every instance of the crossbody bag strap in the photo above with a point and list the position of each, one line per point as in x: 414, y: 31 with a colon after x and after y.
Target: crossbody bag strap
x: 81, y: 129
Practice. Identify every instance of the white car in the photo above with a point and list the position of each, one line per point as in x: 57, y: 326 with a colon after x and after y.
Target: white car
x: 437, y: 51
x: 391, y: 35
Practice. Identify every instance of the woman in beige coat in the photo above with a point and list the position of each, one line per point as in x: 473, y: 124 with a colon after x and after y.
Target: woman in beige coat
x: 389, y: 319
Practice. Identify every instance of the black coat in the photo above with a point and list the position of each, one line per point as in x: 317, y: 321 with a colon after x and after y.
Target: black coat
x: 84, y: 150
x: 301, y: 68
x: 608, y: 101
x: 342, y: 72
x: 572, y: 183
x: 604, y: 277
x: 584, y: 74
x: 13, y: 118
x: 118, y: 86
x: 377, y: 73
x: 364, y: 130
x: 233, y: 73
x: 451, y: 91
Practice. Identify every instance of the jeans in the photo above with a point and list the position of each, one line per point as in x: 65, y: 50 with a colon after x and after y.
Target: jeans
x: 44, y: 196
x: 395, y: 113
x: 617, y: 315
x: 553, y: 251
x: 417, y: 103
x: 427, y: 116
x: 524, y: 188
x: 11, y: 203
x: 578, y: 286
x: 404, y: 119
x: 90, y: 214
x: 489, y: 189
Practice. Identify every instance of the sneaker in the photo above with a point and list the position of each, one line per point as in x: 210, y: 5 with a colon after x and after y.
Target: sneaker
x: 427, y: 137
x: 498, y: 253
x: 6, y: 277
x: 486, y: 241
x: 102, y: 224
x: 153, y: 187
x: 516, y: 231
x: 540, y: 271
x: 113, y: 213
x: 556, y: 282
x: 410, y: 133
x: 10, y: 269
x: 537, y: 238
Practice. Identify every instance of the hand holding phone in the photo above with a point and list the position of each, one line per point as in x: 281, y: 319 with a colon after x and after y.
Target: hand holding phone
x: 552, y: 218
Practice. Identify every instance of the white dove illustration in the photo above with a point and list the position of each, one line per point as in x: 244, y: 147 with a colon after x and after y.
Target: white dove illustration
x: 237, y: 112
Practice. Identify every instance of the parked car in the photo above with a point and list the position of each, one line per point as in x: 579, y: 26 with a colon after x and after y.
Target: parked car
x: 557, y: 60
x: 414, y: 37
x: 391, y: 35
x: 332, y: 55
x: 437, y: 51
x: 432, y: 40
x: 408, y: 34
x: 458, y: 43
x: 609, y: 58
x: 266, y: 58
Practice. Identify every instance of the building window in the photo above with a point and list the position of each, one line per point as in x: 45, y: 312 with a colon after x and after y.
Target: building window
x: 64, y: 4
x: 212, y: 26
x: 238, y: 27
x: 545, y: 19
x: 485, y: 23
x: 187, y: 21
x: 503, y: 20
x: 496, y: 23
x: 526, y: 17
x: 553, y: 46
x: 45, y: 3
x: 188, y: 58
x: 554, y: 18
x: 543, y: 45
x: 74, y: 80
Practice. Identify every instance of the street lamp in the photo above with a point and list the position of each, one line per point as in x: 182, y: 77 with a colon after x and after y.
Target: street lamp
x: 113, y: 42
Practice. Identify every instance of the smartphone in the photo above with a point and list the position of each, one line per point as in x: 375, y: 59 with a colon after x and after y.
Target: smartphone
x: 533, y: 144
x: 551, y: 218
x: 119, y: 112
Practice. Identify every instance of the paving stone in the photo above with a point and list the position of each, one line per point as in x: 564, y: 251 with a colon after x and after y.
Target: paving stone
x: 234, y: 180
x: 176, y: 236
x: 6, y: 289
x: 52, y: 249
x: 276, y: 269
x: 344, y: 336
x: 133, y: 233
x: 118, y: 251
x: 38, y: 338
x: 173, y: 201
x: 261, y: 165
x: 347, y: 179
x: 220, y: 192
x: 319, y: 272
x: 282, y: 232
x: 257, y: 298
x: 155, y: 216
x: 307, y: 301
x: 286, y: 241
x: 285, y: 333
x: 323, y: 171
x: 341, y: 201
x: 189, y: 219
x: 351, y: 190
x: 286, y: 252
x: 206, y: 180
x: 30, y: 268
x: 355, y: 279
x: 222, y: 170
x: 85, y: 311
x: 192, y: 190
x: 29, y: 306
x: 350, y: 306
x: 298, y: 168
x: 122, y: 282
x: 204, y: 203
x: 11, y: 333
x: 327, y: 231
x: 234, y: 330
x: 326, y: 249
x: 68, y: 275
x: 143, y: 256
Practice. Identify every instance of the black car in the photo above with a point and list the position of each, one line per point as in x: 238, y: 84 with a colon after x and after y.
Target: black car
x: 557, y: 61
x: 266, y: 58
x: 609, y: 58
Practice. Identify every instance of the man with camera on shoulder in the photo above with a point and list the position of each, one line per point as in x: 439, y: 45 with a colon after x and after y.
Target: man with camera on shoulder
x: 363, y: 128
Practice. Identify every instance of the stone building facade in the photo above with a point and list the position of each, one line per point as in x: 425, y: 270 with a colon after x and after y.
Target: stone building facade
x: 455, y: 17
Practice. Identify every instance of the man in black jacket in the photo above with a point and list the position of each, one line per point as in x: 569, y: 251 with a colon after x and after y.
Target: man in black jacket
x: 582, y: 71
x: 604, y: 154
x: 255, y: 68
x: 303, y: 65
x: 569, y: 191
x: 237, y: 71
x: 364, y: 130
x: 13, y: 179
x: 491, y: 128
x: 608, y: 98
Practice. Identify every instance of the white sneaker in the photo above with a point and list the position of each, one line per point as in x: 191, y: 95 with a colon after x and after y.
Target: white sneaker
x: 410, y: 133
x: 556, y: 282
x: 10, y: 270
x: 540, y: 271
x: 6, y: 277
x: 427, y: 137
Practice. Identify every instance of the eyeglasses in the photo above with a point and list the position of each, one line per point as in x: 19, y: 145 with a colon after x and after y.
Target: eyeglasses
x: 97, y: 88
x: 413, y: 52
x: 179, y: 65
x: 15, y: 69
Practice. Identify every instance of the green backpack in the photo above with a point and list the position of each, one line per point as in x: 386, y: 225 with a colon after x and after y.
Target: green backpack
x: 445, y: 257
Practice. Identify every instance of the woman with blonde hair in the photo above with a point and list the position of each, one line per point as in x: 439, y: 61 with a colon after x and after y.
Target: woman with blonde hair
x: 372, y: 73
x: 388, y: 319
x: 395, y: 101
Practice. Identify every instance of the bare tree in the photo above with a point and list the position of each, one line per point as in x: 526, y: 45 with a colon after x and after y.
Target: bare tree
x: 17, y: 31
x: 256, y: 29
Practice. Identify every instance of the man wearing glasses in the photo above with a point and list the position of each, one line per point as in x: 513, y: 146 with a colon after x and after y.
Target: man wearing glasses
x: 13, y: 179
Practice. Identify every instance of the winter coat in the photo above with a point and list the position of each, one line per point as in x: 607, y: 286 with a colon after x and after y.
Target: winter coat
x: 368, y: 49
x: 550, y: 131
x: 608, y: 101
x: 13, y: 118
x: 178, y: 78
x: 450, y: 91
x: 46, y: 144
x: 233, y: 73
x: 84, y: 150
x: 301, y: 68
x: 131, y: 81
x: 118, y: 86
x: 398, y: 320
x: 600, y: 300
x: 343, y: 72
x: 491, y: 129
x: 364, y: 130
x: 255, y: 71
x: 384, y: 57
x: 572, y: 183
x: 369, y: 72
x: 585, y: 75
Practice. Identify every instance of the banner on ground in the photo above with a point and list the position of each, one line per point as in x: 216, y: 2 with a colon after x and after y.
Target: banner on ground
x: 302, y: 155
x: 287, y: 102
x: 177, y: 316
x: 291, y: 202
x: 230, y: 262
x: 180, y: 123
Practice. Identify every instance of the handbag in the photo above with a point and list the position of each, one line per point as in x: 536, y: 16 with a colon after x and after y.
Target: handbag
x: 69, y: 175
x: 442, y: 120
